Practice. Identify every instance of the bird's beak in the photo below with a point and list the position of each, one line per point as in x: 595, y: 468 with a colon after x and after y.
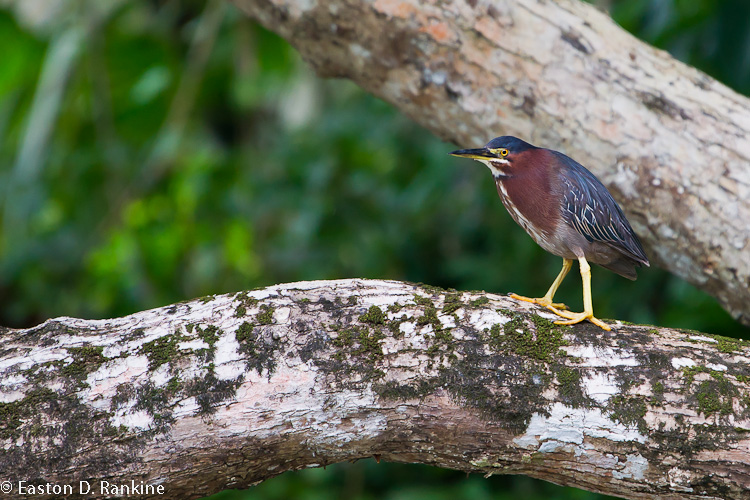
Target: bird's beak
x: 476, y: 154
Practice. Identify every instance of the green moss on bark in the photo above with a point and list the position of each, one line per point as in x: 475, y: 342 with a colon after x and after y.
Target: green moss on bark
x: 86, y: 359
x: 265, y: 316
x: 359, y: 341
x: 373, y: 316
x: 570, y: 389
x: 452, y: 303
x: 12, y: 415
x: 712, y: 396
x: 259, y: 350
x: 629, y: 411
x: 245, y: 302
x: 479, y: 302
x: 210, y: 334
x: 161, y: 350
x: 542, y: 342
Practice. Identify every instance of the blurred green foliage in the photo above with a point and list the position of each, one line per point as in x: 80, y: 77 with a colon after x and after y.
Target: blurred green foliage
x: 155, y: 151
x: 368, y: 480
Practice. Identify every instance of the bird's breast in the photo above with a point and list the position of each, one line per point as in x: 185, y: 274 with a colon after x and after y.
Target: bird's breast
x: 531, y: 206
x: 517, y: 214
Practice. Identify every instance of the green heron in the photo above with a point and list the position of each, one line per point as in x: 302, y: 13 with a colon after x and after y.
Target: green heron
x: 566, y: 210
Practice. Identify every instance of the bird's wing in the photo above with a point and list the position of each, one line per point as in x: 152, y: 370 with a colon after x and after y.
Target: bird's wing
x: 590, y: 209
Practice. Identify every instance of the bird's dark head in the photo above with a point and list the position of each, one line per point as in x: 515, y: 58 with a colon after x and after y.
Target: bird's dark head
x: 499, y: 154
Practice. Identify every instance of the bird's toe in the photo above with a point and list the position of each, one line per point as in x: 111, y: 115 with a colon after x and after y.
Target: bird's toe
x: 521, y: 297
x: 542, y: 301
x: 574, y: 318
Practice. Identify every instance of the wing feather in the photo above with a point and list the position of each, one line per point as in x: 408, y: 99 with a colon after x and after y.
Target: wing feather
x: 590, y: 209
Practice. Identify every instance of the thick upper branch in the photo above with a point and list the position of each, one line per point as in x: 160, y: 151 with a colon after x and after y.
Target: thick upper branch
x: 230, y: 390
x: 671, y: 143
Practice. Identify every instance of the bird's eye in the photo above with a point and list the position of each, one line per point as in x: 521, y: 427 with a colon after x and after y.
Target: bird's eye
x: 503, y: 152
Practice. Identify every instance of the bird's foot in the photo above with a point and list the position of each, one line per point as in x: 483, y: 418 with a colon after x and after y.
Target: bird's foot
x: 542, y: 301
x: 572, y: 318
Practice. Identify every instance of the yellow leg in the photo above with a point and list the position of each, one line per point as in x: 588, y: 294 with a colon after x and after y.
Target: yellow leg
x: 588, y: 308
x: 546, y: 301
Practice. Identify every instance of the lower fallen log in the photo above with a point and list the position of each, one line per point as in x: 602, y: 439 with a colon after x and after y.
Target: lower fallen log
x: 226, y: 391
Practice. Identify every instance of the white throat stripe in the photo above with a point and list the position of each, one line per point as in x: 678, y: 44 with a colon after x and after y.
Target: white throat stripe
x: 496, y: 172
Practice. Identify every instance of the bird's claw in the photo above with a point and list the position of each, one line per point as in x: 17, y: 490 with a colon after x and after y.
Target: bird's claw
x: 572, y: 318
x: 542, y: 301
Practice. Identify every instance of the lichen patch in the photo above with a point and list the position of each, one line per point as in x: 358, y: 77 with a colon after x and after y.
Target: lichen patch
x: 104, y: 381
x: 138, y: 419
x: 679, y: 479
x: 486, y: 318
x: 185, y: 408
x: 12, y: 381
x: 599, y: 386
x: 717, y: 367
x: 601, y: 356
x: 635, y: 467
x: 193, y: 344
x: 572, y: 425
x: 11, y: 396
x: 32, y: 358
x: 447, y: 320
x: 281, y: 315
x: 230, y: 370
x: 682, y: 362
x: 702, y: 338
x: 552, y: 446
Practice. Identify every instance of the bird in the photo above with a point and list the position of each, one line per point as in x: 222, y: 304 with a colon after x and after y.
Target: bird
x: 567, y: 211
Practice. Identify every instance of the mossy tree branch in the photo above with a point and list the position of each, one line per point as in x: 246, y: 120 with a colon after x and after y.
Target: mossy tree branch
x: 671, y: 143
x: 230, y: 390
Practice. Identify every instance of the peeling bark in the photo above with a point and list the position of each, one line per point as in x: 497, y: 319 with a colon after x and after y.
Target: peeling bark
x: 229, y: 390
x: 671, y: 143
